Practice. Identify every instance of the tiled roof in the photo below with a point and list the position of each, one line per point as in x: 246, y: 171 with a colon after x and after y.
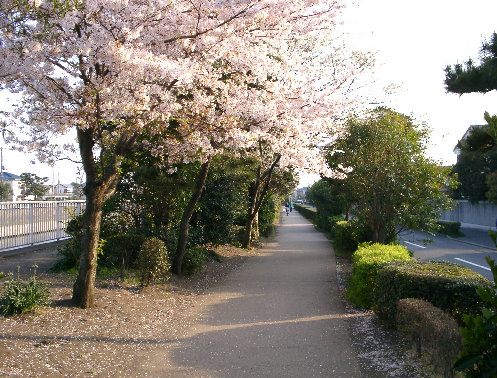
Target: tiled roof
x: 9, y: 176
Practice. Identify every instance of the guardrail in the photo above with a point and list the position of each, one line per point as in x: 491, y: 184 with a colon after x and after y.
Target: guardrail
x: 27, y: 223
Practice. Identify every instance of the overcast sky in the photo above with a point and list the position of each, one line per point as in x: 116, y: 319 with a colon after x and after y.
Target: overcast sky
x: 414, y: 41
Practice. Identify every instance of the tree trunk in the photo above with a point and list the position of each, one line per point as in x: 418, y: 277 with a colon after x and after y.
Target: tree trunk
x: 247, y: 236
x: 84, y: 287
x: 101, y: 183
x: 255, y: 227
x: 257, y: 196
x: 187, y: 215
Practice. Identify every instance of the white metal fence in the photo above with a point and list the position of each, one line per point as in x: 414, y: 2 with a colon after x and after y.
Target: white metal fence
x: 28, y: 223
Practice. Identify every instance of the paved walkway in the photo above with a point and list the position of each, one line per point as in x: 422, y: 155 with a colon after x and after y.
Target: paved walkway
x: 279, y: 315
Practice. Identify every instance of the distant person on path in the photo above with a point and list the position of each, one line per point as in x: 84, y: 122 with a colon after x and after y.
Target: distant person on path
x: 287, y: 208
x: 291, y: 207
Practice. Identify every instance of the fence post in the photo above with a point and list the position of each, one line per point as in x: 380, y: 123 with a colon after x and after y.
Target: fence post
x: 31, y: 223
x: 57, y: 220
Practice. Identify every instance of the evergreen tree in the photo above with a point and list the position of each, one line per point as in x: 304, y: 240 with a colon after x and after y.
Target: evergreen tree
x: 475, y: 78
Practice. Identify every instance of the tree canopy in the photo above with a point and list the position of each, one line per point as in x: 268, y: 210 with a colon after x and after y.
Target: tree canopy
x: 476, y: 165
x: 197, y: 79
x: 470, y: 78
x: 32, y: 185
x: 392, y: 184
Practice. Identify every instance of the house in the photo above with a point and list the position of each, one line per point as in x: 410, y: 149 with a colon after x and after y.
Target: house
x: 15, y: 183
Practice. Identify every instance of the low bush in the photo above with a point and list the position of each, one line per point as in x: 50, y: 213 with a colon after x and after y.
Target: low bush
x: 348, y: 235
x: 345, y: 236
x: 434, y: 333
x: 450, y: 228
x: 19, y: 297
x: 479, y: 335
x: 195, y: 257
x: 153, y: 262
x: 366, y: 261
x: 193, y: 260
x: 121, y: 250
x: 307, y: 212
x: 451, y: 287
x: 334, y: 220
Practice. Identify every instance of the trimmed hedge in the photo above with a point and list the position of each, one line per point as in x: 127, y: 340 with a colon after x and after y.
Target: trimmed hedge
x: 433, y: 332
x: 450, y: 228
x: 451, y: 287
x: 306, y: 212
x: 366, y: 261
x: 345, y: 236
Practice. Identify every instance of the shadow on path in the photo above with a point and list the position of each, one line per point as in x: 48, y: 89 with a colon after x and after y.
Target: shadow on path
x: 279, y: 315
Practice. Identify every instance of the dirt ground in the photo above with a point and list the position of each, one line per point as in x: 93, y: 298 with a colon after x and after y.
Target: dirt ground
x: 115, y: 336
x: 128, y: 328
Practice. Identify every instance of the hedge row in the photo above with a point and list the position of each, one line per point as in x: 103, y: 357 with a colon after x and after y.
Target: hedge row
x: 433, y: 332
x: 323, y: 222
x: 450, y: 287
x: 366, y: 261
x: 306, y: 212
x: 449, y: 228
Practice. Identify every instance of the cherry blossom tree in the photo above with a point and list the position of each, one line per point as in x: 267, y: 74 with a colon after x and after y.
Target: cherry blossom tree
x: 115, y: 70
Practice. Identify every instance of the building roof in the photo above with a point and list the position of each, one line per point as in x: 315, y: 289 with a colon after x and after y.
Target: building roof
x: 8, y: 176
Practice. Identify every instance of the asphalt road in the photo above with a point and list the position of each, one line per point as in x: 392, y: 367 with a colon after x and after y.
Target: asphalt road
x: 469, y: 250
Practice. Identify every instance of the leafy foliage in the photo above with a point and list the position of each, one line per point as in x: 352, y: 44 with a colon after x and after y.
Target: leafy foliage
x: 450, y: 228
x: 307, y: 212
x: 19, y: 297
x: 5, y: 192
x: 329, y: 199
x: 153, y: 262
x: 392, y: 184
x: 366, y: 261
x: 349, y: 234
x: 32, y: 185
x: 267, y: 214
x: 195, y: 257
x: 121, y: 250
x: 223, y: 203
x: 479, y: 355
x: 434, y: 332
x: 476, y: 166
x: 193, y: 260
x: 471, y: 78
x: 453, y: 288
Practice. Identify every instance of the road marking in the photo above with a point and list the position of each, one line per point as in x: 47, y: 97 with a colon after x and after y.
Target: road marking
x: 469, y: 262
x: 420, y: 246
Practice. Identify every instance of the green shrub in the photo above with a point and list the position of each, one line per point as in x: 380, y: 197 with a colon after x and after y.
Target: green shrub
x: 345, y: 237
x: 153, y: 261
x: 450, y: 228
x: 447, y: 286
x: 479, y: 355
x: 366, y: 262
x: 121, y: 250
x: 19, y: 297
x: 193, y: 260
x: 70, y: 251
x: 334, y: 220
x: 434, y: 333
x: 306, y: 212
x: 2, y: 275
x: 267, y: 215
